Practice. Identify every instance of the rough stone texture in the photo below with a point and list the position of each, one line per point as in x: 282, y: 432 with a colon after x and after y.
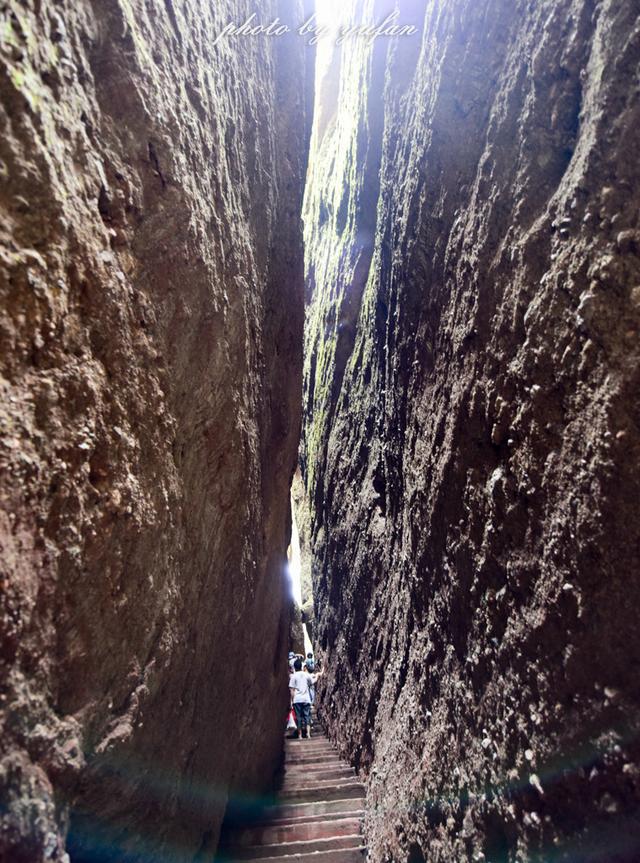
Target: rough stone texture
x: 301, y: 513
x: 296, y: 632
x: 471, y: 427
x: 150, y: 341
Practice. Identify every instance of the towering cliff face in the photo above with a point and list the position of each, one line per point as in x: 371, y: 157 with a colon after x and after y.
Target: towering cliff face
x: 471, y: 426
x: 151, y: 330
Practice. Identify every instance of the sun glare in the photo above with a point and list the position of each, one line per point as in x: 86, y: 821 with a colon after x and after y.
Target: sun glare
x: 329, y: 13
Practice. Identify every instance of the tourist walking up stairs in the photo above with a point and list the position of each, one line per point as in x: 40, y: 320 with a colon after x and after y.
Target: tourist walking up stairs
x: 301, y: 684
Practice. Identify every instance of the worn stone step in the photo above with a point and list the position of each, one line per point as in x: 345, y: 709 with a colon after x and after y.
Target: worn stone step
x: 304, y: 761
x: 302, y: 769
x: 324, y: 792
x: 338, y: 815
x: 300, y: 751
x: 316, y: 736
x: 331, y: 763
x: 316, y: 768
x: 350, y: 855
x: 303, y: 772
x: 302, y: 783
x: 286, y: 849
x: 316, y: 807
x: 330, y: 759
x: 294, y: 742
x: 310, y: 758
x: 323, y: 774
x: 300, y: 831
x: 307, y: 744
x: 306, y: 749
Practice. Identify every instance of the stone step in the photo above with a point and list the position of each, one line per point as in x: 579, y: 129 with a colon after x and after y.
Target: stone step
x: 329, y: 759
x: 311, y: 761
x: 308, y: 744
x: 338, y: 815
x: 302, y: 783
x: 317, y: 807
x: 323, y: 773
x: 323, y: 792
x: 287, y: 849
x: 316, y: 735
x: 304, y: 753
x: 305, y: 760
x: 315, y: 768
x: 299, y: 831
x: 308, y: 747
x: 351, y: 855
x: 339, y: 774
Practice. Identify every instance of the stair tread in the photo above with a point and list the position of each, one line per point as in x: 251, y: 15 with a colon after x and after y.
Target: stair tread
x: 282, y: 849
x: 312, y: 769
x: 309, y: 757
x: 349, y: 779
x: 311, y: 819
x: 304, y: 780
x: 347, y: 803
x: 350, y: 855
x: 298, y: 831
x: 319, y: 792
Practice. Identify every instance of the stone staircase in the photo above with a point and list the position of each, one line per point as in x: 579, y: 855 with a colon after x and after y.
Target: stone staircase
x: 317, y: 817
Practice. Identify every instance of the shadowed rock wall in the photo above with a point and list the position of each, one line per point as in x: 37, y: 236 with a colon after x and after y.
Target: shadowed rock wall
x: 150, y: 338
x: 470, y: 441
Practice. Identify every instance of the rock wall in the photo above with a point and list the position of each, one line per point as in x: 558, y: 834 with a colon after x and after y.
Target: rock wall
x: 302, y: 515
x: 151, y: 367
x: 470, y: 441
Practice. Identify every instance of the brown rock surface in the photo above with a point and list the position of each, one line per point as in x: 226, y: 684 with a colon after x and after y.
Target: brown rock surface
x: 302, y: 515
x: 471, y: 427
x: 150, y: 340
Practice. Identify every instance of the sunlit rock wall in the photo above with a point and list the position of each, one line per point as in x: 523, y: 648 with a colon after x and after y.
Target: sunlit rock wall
x: 150, y: 338
x: 302, y: 515
x: 471, y: 426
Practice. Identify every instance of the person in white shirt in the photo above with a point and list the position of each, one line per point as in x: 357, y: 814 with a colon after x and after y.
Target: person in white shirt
x: 300, y: 684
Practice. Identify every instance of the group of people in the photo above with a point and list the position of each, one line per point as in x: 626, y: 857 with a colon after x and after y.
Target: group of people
x: 302, y: 683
